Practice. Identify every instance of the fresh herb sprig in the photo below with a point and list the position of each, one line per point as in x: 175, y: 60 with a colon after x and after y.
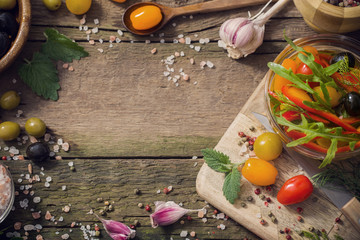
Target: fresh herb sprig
x: 220, y: 162
x: 343, y: 175
x: 40, y: 73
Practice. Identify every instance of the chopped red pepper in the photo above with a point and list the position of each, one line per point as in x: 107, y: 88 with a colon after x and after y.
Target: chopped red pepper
x: 347, y: 81
x: 327, y: 115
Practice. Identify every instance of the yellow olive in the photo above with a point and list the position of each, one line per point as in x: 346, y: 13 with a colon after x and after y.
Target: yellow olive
x: 9, y: 100
x: 35, y: 127
x: 7, y: 4
x: 52, y: 5
x: 9, y: 130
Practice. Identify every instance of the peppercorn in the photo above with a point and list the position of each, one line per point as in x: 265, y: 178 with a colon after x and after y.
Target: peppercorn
x: 337, y: 219
x: 270, y: 213
x: 252, y: 128
x: 251, y: 147
x: 287, y: 230
x: 262, y: 222
x: 299, y: 210
x: 288, y: 237
x: 136, y: 223
x: 72, y: 168
x: 215, y: 211
x: 299, y: 218
x: 147, y: 208
x: 99, y: 199
x: 136, y: 191
x: 3, y: 157
x: 311, y: 228
x: 111, y: 208
x: 262, y: 196
x: 243, y: 204
x: 97, y: 233
x: 241, y: 134
x: 257, y: 191
x: 281, y: 231
x: 273, y: 219
x: 268, y: 199
x: 189, y: 218
x: 268, y: 188
x: 166, y: 190
x: 102, y: 212
x: 249, y: 198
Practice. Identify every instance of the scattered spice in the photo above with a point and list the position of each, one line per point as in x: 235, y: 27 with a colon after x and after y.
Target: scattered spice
x: 147, y: 208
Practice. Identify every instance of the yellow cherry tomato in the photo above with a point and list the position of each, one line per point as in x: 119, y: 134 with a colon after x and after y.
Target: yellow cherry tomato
x: 145, y: 17
x: 78, y: 7
x: 268, y: 146
x: 259, y: 172
x: 335, y: 96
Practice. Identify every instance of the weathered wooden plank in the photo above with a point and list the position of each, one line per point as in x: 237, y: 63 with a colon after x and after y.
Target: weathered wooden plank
x: 104, y: 107
x: 114, y: 180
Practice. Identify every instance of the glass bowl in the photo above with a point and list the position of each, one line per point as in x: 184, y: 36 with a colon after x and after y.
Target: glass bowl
x: 323, y: 42
x: 7, y: 193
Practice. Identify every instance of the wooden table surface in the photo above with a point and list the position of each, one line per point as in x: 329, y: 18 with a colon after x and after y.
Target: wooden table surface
x: 128, y: 126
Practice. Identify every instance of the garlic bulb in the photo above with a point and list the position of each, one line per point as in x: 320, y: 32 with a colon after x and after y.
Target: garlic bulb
x: 242, y: 36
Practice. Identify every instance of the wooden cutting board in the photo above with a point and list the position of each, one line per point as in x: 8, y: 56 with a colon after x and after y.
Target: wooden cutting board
x: 318, y: 211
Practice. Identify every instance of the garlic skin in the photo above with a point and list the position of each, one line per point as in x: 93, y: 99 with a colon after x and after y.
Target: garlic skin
x: 117, y: 230
x: 241, y: 36
x: 167, y: 213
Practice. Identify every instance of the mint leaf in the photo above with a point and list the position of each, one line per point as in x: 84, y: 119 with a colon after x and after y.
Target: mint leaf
x: 231, y: 187
x: 217, y: 161
x: 41, y: 76
x: 59, y: 47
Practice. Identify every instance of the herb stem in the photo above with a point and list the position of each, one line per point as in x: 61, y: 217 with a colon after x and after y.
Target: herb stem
x: 27, y: 61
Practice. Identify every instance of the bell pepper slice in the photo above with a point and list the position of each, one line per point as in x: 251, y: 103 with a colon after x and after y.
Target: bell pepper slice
x: 329, y: 116
x: 347, y: 81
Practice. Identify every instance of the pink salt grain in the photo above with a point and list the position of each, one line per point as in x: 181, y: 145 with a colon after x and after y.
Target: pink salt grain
x: 65, y: 65
x: 36, y: 215
x: 181, y: 40
x: 92, y: 42
x: 153, y: 51
x: 186, y: 77
x: 48, y: 215
x: 112, y: 38
x: 39, y: 237
x: 82, y: 21
x: 58, y: 157
x: 17, y: 226
x: 71, y: 68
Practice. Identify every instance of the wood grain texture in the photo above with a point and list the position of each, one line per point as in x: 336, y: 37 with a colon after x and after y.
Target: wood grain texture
x: 128, y: 126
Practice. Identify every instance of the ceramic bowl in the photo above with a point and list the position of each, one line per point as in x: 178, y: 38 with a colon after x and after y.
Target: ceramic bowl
x: 323, y: 42
x: 326, y: 18
x: 23, y: 11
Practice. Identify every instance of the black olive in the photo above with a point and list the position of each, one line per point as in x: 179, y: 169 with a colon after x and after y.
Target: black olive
x: 38, y: 152
x: 352, y: 103
x: 8, y: 24
x: 341, y: 56
x: 4, y: 43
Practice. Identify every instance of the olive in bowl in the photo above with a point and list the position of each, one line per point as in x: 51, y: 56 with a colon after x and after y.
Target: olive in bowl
x: 22, y: 14
x: 299, y: 104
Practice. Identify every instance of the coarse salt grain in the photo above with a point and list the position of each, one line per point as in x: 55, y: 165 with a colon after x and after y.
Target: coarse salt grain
x: 183, y: 233
x: 47, y: 184
x: 63, y: 187
x: 82, y: 21
x: 197, y: 48
x: 95, y: 30
x: 147, y: 41
x: 120, y: 32
x: 153, y: 51
x: 100, y: 50
x: 209, y: 64
x: 92, y: 42
x: 65, y: 65
x: 181, y: 40
x: 117, y: 40
x: 96, y: 21
x: 187, y: 40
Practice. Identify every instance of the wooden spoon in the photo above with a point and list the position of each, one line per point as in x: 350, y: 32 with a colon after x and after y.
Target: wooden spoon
x: 168, y: 13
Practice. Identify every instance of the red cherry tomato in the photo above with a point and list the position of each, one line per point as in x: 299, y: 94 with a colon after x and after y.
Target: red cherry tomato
x: 295, y: 190
x: 304, y: 69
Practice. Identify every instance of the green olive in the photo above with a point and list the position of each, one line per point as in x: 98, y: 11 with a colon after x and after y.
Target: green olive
x: 9, y: 130
x: 35, y: 127
x: 52, y: 5
x: 9, y: 100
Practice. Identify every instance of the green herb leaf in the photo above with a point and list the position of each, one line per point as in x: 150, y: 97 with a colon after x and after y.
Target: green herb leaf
x: 216, y: 160
x: 231, y: 187
x: 59, y: 47
x: 41, y: 76
x: 310, y: 235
